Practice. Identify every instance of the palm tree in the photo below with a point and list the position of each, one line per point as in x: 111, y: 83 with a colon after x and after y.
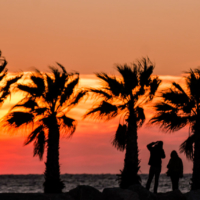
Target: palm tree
x: 48, y: 99
x: 180, y: 107
x: 126, y: 96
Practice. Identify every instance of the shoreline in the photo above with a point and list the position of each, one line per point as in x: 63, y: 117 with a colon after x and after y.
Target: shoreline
x: 84, y: 192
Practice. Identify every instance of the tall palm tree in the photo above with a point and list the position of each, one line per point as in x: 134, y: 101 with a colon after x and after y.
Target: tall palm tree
x: 126, y: 96
x: 180, y: 107
x: 48, y: 99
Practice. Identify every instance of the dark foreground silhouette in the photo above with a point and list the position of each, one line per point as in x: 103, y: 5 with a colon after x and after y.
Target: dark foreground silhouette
x: 179, y: 107
x: 156, y: 154
x: 175, y: 169
x: 46, y: 105
x: 83, y: 192
x: 126, y: 97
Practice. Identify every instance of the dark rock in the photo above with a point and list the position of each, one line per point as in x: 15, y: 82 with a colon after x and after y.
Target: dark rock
x: 119, y: 194
x: 142, y: 192
x: 173, y: 195
x: 34, y: 196
x: 84, y: 192
x: 193, y: 195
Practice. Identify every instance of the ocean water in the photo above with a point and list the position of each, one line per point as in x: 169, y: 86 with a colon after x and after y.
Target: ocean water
x: 34, y: 183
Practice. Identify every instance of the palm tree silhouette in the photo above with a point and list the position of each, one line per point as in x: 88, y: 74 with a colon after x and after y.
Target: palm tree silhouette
x: 48, y: 99
x: 180, y: 107
x: 126, y: 96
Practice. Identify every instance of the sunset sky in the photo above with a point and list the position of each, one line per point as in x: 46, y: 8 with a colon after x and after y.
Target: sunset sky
x: 93, y: 36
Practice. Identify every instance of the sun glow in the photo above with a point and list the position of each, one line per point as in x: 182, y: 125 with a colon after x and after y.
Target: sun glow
x: 89, y: 150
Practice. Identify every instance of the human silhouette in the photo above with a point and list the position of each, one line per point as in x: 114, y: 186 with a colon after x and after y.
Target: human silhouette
x: 175, y: 169
x: 156, y: 154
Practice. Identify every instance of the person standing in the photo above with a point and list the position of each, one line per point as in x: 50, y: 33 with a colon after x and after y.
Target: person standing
x: 175, y: 169
x: 156, y: 155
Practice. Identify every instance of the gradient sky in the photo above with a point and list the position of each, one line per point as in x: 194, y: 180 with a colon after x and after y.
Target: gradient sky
x: 92, y: 36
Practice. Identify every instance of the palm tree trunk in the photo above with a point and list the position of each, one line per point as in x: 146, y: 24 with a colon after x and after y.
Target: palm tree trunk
x: 129, y: 174
x: 52, y: 183
x: 196, y: 163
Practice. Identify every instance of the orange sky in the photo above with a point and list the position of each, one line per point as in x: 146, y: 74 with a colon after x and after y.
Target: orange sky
x: 92, y: 36
x: 90, y: 149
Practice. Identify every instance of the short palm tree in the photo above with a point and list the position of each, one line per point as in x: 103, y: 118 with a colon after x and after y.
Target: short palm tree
x: 48, y: 99
x: 126, y: 96
x: 180, y: 107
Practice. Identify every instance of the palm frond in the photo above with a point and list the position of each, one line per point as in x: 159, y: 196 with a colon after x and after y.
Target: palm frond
x: 189, y: 107
x: 140, y: 116
x: 55, y: 85
x: 146, y: 69
x: 139, y: 92
x: 120, y: 138
x: 2, y: 67
x: 178, y: 87
x: 30, y: 103
x: 130, y: 77
x: 60, y: 80
x: 33, y: 134
x: 4, y: 95
x: 78, y: 98
x: 169, y: 121
x: 56, y: 73
x: 17, y: 119
x: 50, y: 81
x: 3, y: 75
x: 39, y: 145
x: 38, y: 72
x: 102, y: 93
x: 187, y: 147
x: 40, y: 110
x: 193, y: 84
x: 68, y: 124
x: 104, y: 111
x: 60, y: 84
x: 33, y: 91
x: 12, y: 81
x: 155, y: 82
x: 165, y: 107
x: 123, y: 106
x: 69, y: 90
x: 6, y: 89
x: 39, y: 82
x: 189, y: 103
x: 62, y: 67
x: 175, y: 97
x: 50, y: 88
x: 112, y: 84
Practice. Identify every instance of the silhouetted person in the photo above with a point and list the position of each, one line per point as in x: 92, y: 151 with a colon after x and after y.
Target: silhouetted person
x: 175, y: 169
x: 156, y: 154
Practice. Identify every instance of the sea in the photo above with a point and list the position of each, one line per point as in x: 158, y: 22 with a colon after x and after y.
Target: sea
x: 33, y: 183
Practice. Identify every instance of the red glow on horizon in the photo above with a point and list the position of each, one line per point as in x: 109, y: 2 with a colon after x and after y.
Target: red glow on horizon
x: 89, y: 150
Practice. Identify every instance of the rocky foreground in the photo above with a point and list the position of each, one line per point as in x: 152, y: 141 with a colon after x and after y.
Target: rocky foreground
x: 135, y: 192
